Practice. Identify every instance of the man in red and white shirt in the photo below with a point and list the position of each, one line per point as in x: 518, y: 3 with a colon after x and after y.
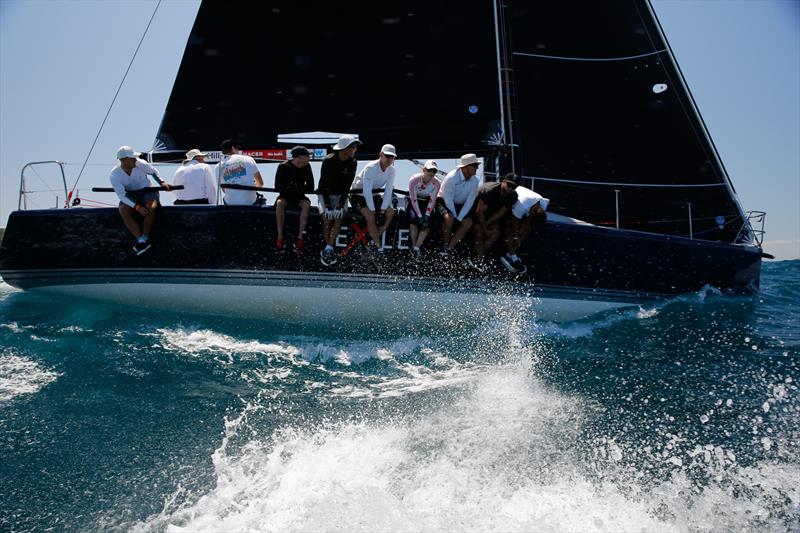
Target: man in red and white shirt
x: 423, y: 189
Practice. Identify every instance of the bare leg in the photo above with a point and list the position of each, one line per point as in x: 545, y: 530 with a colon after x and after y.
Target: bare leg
x: 388, y: 215
x: 447, y: 228
x: 480, y: 239
x: 414, y: 231
x: 305, y: 207
x: 280, y: 216
x: 461, y: 232
x: 489, y: 239
x: 372, y: 229
x: 150, y: 219
x: 126, y: 213
x: 337, y: 226
x: 421, y: 239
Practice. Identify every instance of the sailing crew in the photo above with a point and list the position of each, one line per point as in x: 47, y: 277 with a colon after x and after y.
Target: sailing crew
x: 293, y: 179
x: 495, y: 200
x: 336, y: 175
x: 528, y: 214
x: 423, y: 189
x: 457, y: 198
x: 376, y: 175
x: 238, y: 169
x: 197, y: 180
x: 129, y: 180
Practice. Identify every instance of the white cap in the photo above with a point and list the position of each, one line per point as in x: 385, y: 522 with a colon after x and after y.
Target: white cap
x: 126, y: 151
x: 430, y: 164
x: 345, y: 141
x: 468, y: 159
x: 194, y: 152
x: 388, y: 149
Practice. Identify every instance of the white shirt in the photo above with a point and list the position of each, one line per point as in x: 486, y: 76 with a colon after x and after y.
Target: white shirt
x: 526, y: 199
x: 456, y: 189
x: 241, y: 170
x: 372, y: 177
x: 137, y: 180
x: 198, y: 181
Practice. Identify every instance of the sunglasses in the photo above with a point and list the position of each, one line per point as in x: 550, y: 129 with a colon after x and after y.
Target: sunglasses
x: 475, y: 165
x: 389, y: 156
x: 431, y: 170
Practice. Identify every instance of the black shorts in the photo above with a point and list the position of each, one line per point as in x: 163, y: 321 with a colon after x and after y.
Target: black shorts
x: 441, y: 207
x: 142, y: 197
x: 292, y: 199
x: 412, y: 215
x: 358, y: 201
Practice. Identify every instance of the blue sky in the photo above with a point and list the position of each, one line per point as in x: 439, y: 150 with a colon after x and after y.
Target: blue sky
x: 61, y: 62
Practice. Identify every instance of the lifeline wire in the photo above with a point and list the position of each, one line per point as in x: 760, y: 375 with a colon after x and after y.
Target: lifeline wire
x: 115, y: 97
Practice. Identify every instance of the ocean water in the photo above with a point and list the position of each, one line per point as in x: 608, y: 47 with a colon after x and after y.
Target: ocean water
x: 679, y: 416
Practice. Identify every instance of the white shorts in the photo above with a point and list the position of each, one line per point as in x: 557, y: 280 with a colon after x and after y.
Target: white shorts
x: 334, y: 201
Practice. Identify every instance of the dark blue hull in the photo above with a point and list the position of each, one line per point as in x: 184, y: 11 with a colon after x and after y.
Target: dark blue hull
x: 243, y: 238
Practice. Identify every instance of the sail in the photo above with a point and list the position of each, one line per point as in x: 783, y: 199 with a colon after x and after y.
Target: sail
x: 605, y: 125
x: 418, y: 74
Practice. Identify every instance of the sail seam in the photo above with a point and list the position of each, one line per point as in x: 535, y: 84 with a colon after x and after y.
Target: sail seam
x: 618, y: 184
x: 607, y: 59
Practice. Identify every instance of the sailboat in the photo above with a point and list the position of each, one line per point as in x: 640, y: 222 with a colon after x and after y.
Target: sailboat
x: 584, y: 101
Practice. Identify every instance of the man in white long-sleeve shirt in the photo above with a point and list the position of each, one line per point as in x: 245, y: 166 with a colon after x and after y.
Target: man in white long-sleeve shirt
x: 376, y: 175
x: 130, y: 182
x: 197, y: 179
x: 457, y: 199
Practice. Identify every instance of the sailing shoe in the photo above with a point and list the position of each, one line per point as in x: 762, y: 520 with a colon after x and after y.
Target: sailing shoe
x: 476, y: 265
x: 513, y: 265
x: 298, y: 246
x: 328, y: 258
x: 416, y: 253
x: 279, y: 247
x: 141, y: 247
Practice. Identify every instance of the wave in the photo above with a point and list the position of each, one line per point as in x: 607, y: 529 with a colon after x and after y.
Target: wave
x: 20, y: 376
x: 506, y: 455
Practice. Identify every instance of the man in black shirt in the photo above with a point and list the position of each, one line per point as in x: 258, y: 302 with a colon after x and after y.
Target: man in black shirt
x: 336, y: 176
x: 494, y: 203
x: 292, y: 180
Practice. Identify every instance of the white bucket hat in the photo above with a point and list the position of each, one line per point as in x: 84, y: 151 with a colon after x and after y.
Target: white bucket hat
x: 468, y: 159
x: 388, y: 149
x: 430, y: 165
x: 125, y: 152
x: 194, y: 152
x: 345, y: 141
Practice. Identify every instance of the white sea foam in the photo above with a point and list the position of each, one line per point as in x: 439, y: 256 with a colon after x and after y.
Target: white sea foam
x: 502, y: 456
x: 21, y: 376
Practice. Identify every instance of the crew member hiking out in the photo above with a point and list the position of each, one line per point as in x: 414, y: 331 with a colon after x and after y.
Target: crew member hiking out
x: 336, y: 175
x: 129, y: 180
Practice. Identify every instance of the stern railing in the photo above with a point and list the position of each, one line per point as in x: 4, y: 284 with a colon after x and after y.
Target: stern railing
x: 23, y: 185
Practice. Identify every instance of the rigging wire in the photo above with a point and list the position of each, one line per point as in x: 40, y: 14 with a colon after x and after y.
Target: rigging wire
x: 115, y: 96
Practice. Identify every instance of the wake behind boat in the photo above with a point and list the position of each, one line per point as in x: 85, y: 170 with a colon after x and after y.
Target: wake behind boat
x: 641, y: 205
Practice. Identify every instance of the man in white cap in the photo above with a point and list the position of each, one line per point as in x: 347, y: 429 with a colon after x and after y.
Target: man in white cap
x: 130, y: 182
x: 376, y: 175
x: 423, y: 188
x: 197, y: 179
x: 457, y: 199
x: 528, y: 214
x: 238, y: 169
x: 336, y: 175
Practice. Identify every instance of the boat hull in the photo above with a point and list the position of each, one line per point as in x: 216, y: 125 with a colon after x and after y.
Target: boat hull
x: 221, y: 260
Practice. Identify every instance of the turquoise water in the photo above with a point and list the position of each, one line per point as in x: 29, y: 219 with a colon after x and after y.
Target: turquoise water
x: 680, y: 416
